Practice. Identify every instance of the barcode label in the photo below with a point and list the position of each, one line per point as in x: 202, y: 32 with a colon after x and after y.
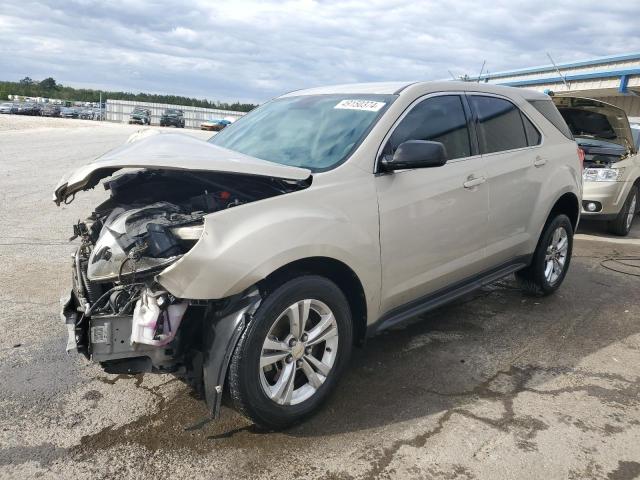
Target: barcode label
x: 367, y: 105
x: 100, y: 334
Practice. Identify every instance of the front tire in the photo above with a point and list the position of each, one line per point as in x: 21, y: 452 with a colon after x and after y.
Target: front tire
x: 550, y: 260
x: 622, y: 224
x: 291, y: 355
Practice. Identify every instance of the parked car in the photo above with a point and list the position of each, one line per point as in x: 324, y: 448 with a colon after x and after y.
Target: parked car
x: 362, y: 206
x: 612, y: 164
x: 50, y: 110
x: 140, y: 116
x: 214, y: 124
x: 172, y: 116
x: 69, y: 112
x: 87, y: 114
x: 28, y: 108
x: 8, y: 108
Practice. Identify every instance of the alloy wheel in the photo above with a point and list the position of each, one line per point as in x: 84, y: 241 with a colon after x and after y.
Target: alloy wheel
x: 556, y: 255
x: 299, y: 352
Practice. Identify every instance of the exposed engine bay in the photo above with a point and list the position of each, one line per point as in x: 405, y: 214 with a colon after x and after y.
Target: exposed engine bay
x: 118, y: 315
x: 601, y: 154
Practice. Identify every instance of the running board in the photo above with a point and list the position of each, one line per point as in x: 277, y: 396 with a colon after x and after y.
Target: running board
x: 445, y: 295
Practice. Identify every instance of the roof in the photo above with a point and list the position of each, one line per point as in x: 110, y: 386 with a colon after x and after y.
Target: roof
x: 376, y: 88
x: 390, y: 88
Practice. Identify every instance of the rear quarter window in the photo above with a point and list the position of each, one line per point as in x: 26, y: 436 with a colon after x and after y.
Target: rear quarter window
x: 548, y: 109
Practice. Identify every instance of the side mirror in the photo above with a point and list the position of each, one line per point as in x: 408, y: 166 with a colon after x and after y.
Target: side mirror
x: 416, y: 154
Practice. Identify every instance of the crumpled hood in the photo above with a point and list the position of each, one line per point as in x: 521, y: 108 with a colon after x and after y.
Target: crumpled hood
x: 590, y: 118
x: 171, y: 152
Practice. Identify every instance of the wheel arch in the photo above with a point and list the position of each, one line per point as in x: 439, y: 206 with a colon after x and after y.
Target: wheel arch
x: 336, y: 271
x: 569, y: 205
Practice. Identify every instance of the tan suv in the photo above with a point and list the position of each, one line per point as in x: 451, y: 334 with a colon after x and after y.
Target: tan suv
x: 612, y: 164
x: 255, y: 261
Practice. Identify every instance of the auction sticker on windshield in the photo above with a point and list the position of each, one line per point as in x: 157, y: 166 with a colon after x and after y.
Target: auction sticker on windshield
x: 368, y: 105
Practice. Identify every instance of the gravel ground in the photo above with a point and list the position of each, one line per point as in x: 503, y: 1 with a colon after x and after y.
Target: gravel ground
x: 497, y: 385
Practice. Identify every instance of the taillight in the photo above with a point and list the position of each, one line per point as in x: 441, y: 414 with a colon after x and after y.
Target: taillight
x: 581, y: 156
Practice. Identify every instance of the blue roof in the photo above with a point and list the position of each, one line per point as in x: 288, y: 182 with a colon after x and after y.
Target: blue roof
x: 551, y: 68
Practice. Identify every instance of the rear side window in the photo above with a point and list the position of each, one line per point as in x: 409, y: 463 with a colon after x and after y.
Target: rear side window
x: 533, y: 135
x: 499, y: 124
x: 551, y: 113
x: 437, y: 119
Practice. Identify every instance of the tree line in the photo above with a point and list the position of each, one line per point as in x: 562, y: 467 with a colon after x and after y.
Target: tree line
x: 49, y: 88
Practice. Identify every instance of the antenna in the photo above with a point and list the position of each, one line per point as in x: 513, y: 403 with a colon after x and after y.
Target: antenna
x: 564, y: 80
x: 452, y: 76
x: 484, y: 62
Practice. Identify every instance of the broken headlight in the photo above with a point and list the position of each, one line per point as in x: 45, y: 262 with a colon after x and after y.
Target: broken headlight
x: 108, y: 260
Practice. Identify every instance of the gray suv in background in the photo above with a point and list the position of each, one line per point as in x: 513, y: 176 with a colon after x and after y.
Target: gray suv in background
x: 172, y: 117
x: 253, y: 262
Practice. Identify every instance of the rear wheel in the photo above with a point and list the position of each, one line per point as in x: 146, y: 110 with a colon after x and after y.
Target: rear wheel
x: 622, y: 224
x: 550, y: 260
x: 292, y: 353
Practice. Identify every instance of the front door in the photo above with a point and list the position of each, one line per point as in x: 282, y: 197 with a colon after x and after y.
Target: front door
x: 433, y: 221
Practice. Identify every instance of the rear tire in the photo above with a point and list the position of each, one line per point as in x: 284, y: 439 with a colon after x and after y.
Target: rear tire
x: 550, y: 260
x: 622, y: 224
x: 258, y: 383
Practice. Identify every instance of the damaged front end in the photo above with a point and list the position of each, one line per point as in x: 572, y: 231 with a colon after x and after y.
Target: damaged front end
x: 117, y: 313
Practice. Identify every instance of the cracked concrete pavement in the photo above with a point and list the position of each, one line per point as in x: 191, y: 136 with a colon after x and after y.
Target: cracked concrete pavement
x: 497, y: 385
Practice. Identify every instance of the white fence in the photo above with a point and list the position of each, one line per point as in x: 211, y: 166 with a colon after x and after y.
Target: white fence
x: 119, y: 111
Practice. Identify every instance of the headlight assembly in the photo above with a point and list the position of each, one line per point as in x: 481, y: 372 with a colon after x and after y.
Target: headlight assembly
x: 602, y: 174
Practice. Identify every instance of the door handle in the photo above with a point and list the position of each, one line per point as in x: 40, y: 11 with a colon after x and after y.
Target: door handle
x: 474, y: 181
x: 539, y: 162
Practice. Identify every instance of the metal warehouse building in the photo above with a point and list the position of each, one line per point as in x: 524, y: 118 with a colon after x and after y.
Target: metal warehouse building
x: 613, y: 79
x: 119, y: 111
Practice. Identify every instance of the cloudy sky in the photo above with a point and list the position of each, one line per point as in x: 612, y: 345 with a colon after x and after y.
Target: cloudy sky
x: 250, y: 51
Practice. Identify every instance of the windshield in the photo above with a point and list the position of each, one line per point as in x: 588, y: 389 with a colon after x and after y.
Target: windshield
x: 170, y: 112
x: 317, y: 132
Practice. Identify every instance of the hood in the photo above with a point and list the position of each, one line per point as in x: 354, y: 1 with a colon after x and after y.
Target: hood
x: 171, y: 152
x: 593, y: 119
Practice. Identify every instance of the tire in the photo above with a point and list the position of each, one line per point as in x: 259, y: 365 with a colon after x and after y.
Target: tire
x: 622, y: 224
x: 536, y: 279
x: 249, y: 383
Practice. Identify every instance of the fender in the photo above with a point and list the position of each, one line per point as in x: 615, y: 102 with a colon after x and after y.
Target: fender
x: 242, y: 245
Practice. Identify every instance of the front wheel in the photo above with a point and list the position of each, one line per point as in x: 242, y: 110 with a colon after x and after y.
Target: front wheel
x: 550, y: 260
x: 292, y: 353
x: 622, y: 224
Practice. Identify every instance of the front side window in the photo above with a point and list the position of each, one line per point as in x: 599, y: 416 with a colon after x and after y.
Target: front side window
x: 437, y: 119
x: 499, y: 124
x: 317, y: 132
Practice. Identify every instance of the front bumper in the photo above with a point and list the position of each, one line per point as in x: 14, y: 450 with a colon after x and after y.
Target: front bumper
x: 170, y: 121
x: 611, y: 195
x: 106, y: 339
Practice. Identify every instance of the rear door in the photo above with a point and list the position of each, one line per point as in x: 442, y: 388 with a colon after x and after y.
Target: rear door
x: 433, y: 221
x: 510, y: 144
